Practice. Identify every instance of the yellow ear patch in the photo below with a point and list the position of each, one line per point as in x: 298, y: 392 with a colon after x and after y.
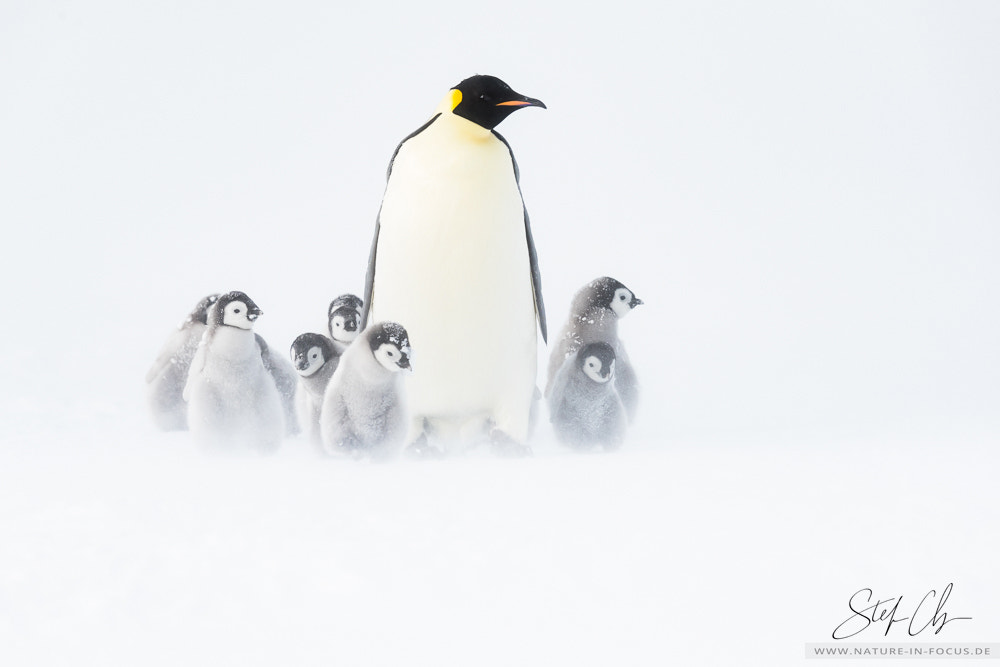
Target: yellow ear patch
x: 450, y: 101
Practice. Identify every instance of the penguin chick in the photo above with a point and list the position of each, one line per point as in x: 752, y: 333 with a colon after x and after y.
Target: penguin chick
x: 233, y: 401
x: 593, y: 317
x: 315, y: 359
x: 165, y: 379
x: 584, y: 407
x: 344, y: 320
x: 363, y: 407
x: 285, y: 380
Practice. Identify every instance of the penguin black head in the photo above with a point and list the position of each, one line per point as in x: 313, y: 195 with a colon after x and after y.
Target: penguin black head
x: 607, y: 292
x: 235, y: 309
x: 597, y: 361
x: 348, y: 300
x: 199, y: 315
x: 486, y: 100
x: 343, y: 324
x: 390, y: 345
x: 310, y: 351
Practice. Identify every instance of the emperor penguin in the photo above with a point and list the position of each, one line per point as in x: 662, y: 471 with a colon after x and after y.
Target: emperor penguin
x: 233, y: 402
x: 165, y: 379
x: 315, y: 359
x: 344, y: 320
x: 363, y: 408
x: 584, y: 406
x: 593, y: 318
x: 285, y: 380
x: 454, y: 259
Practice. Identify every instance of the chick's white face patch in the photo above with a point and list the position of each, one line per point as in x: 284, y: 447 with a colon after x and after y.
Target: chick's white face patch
x: 235, y: 315
x: 389, y: 356
x: 338, y: 327
x: 592, y: 367
x: 621, y: 302
x: 314, y: 361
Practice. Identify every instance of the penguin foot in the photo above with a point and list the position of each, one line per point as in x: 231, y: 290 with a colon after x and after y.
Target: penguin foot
x: 421, y: 450
x: 503, y: 445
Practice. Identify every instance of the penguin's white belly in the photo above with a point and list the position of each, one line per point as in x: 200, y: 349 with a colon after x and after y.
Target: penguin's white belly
x: 452, y: 267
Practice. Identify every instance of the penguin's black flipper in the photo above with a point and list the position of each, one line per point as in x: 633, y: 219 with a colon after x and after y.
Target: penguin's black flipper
x: 536, y: 279
x: 536, y: 275
x: 369, y: 280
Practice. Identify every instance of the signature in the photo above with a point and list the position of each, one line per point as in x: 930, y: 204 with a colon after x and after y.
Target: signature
x: 888, y: 611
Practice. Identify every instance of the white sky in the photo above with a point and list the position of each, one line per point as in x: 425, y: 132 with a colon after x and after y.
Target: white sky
x: 804, y: 194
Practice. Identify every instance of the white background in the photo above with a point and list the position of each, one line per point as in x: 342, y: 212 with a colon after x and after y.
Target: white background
x: 805, y: 195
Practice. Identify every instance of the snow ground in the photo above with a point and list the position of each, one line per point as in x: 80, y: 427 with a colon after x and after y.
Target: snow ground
x: 141, y: 550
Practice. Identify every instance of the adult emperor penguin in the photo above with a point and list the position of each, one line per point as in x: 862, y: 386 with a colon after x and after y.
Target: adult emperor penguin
x: 315, y: 359
x: 593, y: 317
x: 584, y: 406
x: 168, y: 374
x: 233, y: 402
x: 454, y: 260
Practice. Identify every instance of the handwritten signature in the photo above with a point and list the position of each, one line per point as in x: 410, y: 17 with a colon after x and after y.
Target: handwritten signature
x: 888, y: 611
